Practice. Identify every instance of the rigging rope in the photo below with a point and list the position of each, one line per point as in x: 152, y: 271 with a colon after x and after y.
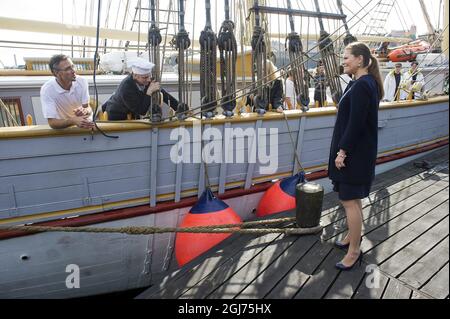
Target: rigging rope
x: 242, y: 38
x: 297, y: 158
x: 208, y: 53
x: 228, y: 56
x: 253, y: 86
x: 444, y: 62
x: 437, y: 40
x: 181, y: 42
x: 154, y: 41
x: 349, y: 38
x: 165, y: 36
x: 298, y: 68
x: 430, y: 79
x: 402, y: 18
x: 259, y: 64
x: 191, y: 65
x: 139, y: 27
x: 124, y: 20
x: 96, y: 59
x: 329, y: 60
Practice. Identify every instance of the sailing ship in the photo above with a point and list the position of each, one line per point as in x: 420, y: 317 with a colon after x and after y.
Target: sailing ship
x: 74, y: 177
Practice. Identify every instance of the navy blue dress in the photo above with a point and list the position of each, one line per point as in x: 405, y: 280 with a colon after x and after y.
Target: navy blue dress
x: 356, y: 132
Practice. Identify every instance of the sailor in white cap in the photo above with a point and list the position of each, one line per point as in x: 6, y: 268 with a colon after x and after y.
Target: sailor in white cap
x: 141, y: 66
x: 133, y: 96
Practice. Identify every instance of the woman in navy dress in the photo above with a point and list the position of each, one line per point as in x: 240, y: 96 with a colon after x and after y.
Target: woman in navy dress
x: 353, y: 149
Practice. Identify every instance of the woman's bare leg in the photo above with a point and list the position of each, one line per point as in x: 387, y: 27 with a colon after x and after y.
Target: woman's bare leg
x: 346, y: 239
x: 353, y: 210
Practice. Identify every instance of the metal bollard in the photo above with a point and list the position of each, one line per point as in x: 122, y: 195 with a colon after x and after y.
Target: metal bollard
x: 309, y: 200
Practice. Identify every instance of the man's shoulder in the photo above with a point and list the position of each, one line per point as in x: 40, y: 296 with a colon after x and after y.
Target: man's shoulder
x: 128, y: 80
x: 127, y: 84
x: 48, y: 86
x: 80, y: 83
x: 81, y: 80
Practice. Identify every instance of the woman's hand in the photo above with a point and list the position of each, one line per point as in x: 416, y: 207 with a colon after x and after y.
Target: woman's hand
x: 340, y: 158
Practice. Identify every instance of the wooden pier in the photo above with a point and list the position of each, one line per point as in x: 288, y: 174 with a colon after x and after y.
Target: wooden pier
x: 405, y: 246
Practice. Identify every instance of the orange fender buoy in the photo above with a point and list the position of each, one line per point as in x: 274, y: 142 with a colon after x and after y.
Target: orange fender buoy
x: 280, y: 196
x: 209, y: 210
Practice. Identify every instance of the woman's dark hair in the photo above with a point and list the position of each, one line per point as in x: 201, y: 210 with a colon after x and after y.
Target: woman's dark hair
x: 55, y: 60
x: 361, y: 49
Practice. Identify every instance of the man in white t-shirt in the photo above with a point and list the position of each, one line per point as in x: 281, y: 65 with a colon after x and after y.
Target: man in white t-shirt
x: 290, y: 96
x: 65, y: 98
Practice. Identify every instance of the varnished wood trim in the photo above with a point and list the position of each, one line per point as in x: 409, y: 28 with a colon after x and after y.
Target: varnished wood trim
x: 138, y: 125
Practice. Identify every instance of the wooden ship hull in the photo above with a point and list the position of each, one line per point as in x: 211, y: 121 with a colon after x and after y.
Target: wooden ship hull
x: 70, y: 178
x: 74, y: 177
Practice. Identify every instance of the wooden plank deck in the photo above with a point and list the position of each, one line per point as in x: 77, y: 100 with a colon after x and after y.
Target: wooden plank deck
x: 405, y: 245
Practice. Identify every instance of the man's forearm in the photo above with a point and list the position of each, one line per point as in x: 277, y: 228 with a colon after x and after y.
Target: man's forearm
x: 60, y: 123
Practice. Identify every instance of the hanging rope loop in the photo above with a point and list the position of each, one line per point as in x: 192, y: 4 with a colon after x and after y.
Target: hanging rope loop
x: 182, y: 40
x: 227, y: 45
x: 258, y: 39
x: 154, y: 36
x: 325, y: 42
x: 294, y: 42
x: 208, y: 68
x: 349, y: 39
x: 226, y: 39
x: 207, y: 40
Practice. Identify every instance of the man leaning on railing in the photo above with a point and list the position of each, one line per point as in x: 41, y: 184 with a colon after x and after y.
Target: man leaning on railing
x: 65, y: 98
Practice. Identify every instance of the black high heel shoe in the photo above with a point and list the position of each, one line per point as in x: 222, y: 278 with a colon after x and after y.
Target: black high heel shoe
x: 343, y: 246
x: 343, y: 267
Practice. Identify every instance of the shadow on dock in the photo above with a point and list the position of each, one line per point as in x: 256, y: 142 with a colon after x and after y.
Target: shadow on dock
x: 405, y: 246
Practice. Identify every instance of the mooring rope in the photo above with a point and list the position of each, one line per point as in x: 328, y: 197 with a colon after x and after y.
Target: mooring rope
x: 147, y: 230
x: 144, y: 230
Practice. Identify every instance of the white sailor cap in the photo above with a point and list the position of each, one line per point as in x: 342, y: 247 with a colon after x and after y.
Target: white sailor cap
x: 142, y: 67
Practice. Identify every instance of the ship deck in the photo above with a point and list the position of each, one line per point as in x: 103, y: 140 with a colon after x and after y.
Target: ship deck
x: 406, y: 236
